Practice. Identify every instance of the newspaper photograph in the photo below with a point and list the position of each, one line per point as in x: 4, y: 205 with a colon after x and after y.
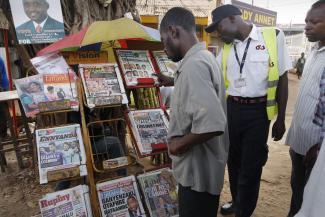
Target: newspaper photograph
x: 37, y: 21
x: 31, y: 92
x: 120, y: 198
x: 160, y: 192
x: 149, y: 127
x: 60, y: 148
x: 136, y: 64
x: 60, y: 79
x: 73, y: 202
x: 103, y: 84
x: 166, y: 66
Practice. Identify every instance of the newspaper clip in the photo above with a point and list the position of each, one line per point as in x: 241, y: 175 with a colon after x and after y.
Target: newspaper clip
x: 116, y: 162
x: 63, y: 173
x: 54, y: 105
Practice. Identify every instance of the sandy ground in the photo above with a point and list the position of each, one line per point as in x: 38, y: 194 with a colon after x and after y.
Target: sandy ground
x: 20, y: 191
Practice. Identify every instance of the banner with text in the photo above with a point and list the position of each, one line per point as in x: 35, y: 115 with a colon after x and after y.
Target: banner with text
x: 258, y: 16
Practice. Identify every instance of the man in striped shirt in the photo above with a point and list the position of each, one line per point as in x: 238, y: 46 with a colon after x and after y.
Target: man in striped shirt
x: 303, y: 134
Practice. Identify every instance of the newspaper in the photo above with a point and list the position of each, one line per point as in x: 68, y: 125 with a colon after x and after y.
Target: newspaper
x: 73, y: 202
x: 103, y: 84
x: 166, y: 66
x: 120, y: 198
x: 31, y: 92
x: 160, y: 192
x: 59, y: 78
x: 60, y: 148
x: 136, y: 64
x: 149, y: 127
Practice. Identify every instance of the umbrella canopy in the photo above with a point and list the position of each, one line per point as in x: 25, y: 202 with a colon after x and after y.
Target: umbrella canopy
x: 101, y: 32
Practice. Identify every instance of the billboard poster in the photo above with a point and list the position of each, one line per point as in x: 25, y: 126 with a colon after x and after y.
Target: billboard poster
x: 258, y: 16
x: 37, y: 21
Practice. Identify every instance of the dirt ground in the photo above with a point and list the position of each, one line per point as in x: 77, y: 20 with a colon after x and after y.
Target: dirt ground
x: 20, y: 190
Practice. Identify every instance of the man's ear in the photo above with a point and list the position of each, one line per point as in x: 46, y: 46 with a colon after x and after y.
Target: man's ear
x: 173, y: 31
x: 232, y: 19
x: 47, y: 5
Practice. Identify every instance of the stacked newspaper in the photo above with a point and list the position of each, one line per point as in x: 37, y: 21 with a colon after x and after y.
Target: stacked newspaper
x: 120, y: 198
x: 149, y: 127
x: 136, y: 64
x: 103, y: 84
x: 74, y: 202
x: 160, y: 192
x: 166, y: 66
x: 60, y: 148
x: 59, y: 78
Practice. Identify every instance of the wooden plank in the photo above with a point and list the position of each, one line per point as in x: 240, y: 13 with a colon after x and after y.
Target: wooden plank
x: 8, y: 95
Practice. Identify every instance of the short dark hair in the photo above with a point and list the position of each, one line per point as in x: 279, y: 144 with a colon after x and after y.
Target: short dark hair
x: 178, y: 16
x: 318, y: 4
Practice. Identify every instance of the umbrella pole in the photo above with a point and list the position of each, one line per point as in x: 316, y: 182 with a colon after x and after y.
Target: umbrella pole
x: 6, y: 42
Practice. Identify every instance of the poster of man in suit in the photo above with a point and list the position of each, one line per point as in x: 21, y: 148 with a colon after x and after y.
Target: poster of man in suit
x: 41, y: 22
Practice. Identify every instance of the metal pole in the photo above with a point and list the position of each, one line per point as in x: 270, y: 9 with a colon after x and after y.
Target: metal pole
x: 252, y: 2
x: 6, y: 40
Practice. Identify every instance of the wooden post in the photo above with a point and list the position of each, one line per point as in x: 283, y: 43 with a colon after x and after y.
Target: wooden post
x: 86, y: 141
x: 219, y: 2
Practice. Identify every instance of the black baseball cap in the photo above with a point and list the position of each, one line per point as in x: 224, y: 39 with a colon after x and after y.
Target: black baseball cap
x: 220, y: 13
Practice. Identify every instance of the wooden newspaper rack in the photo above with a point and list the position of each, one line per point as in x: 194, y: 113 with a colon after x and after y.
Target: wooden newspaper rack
x: 114, y: 164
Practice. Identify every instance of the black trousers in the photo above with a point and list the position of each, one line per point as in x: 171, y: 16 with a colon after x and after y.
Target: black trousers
x: 248, y: 151
x: 196, y: 204
x: 4, y: 111
x: 299, y: 177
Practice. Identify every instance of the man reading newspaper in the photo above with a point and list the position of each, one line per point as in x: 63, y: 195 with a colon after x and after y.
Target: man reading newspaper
x: 198, y: 138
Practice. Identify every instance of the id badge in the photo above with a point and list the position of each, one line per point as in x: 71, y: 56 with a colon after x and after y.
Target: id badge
x: 240, y: 82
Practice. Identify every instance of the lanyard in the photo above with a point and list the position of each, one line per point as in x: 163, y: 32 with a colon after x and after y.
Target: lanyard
x: 242, y: 63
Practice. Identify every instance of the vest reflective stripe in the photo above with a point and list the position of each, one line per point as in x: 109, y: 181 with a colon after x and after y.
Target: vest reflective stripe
x: 225, y: 55
x: 269, y: 36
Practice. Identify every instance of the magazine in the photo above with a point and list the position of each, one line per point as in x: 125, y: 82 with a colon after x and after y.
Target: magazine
x: 102, y: 84
x: 149, y: 127
x: 59, y: 78
x: 136, y: 64
x: 120, y: 198
x: 31, y: 92
x: 160, y: 192
x: 166, y: 66
x: 74, y: 202
x: 60, y: 148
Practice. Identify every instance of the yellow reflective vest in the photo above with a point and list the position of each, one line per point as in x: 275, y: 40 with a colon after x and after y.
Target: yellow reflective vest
x: 269, y: 36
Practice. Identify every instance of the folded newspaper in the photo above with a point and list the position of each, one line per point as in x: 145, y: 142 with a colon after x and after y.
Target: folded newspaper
x: 160, y: 192
x: 166, y: 66
x: 120, y: 198
x: 60, y: 148
x: 149, y: 127
x: 73, y: 202
x: 103, y: 84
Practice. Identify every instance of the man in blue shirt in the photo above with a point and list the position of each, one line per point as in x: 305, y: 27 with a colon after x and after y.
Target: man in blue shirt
x: 4, y: 85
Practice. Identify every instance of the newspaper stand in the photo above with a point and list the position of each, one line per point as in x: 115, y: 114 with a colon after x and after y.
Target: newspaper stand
x: 16, y: 141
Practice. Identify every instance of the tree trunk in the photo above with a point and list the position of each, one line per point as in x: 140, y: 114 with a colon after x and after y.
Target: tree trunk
x: 76, y: 14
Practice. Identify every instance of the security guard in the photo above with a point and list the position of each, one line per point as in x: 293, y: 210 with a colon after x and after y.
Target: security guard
x: 254, y: 62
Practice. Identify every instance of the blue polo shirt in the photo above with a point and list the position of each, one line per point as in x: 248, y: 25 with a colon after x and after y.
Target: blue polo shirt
x: 4, y: 79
